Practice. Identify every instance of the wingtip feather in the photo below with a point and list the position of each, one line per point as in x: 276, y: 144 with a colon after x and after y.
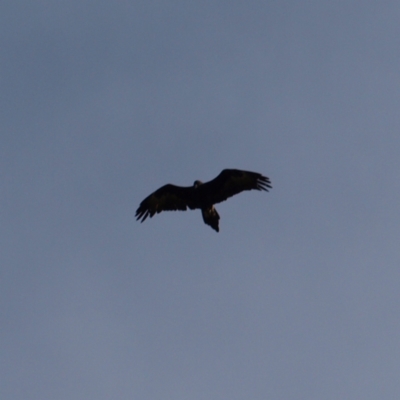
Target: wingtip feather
x: 263, y: 183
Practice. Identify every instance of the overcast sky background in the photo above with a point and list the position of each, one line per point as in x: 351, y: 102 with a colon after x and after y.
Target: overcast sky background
x: 297, y: 296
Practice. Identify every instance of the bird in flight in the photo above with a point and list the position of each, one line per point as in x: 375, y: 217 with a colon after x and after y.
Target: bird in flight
x: 202, y: 195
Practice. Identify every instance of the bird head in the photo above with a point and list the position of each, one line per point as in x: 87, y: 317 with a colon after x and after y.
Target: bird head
x: 196, y: 184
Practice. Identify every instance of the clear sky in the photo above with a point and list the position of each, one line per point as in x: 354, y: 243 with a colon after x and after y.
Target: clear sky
x: 297, y: 296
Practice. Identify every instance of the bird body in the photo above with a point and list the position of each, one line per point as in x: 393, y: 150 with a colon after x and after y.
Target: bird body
x: 202, y: 196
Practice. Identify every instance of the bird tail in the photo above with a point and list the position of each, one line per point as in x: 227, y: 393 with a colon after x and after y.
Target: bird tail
x: 211, y: 217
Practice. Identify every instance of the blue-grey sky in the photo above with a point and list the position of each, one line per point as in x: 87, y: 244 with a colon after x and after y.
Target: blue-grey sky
x: 298, y: 295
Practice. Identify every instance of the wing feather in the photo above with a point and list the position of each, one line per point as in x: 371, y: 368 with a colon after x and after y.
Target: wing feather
x: 233, y: 181
x: 166, y: 198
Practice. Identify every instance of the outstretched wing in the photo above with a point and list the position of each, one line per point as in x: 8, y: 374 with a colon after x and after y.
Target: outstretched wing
x: 167, y: 198
x: 233, y: 181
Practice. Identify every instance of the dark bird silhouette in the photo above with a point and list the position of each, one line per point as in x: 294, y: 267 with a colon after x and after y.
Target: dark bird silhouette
x: 202, y: 195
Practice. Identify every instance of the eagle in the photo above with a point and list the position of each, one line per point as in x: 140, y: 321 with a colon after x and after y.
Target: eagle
x: 201, y: 195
